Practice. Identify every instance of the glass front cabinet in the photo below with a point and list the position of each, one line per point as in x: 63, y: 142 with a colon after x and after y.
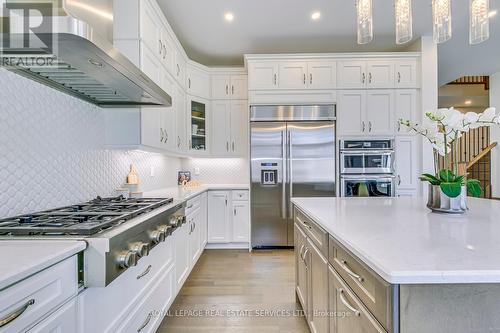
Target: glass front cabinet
x: 198, y: 125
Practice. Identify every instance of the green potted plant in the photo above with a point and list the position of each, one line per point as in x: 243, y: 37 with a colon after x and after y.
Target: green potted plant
x: 443, y: 129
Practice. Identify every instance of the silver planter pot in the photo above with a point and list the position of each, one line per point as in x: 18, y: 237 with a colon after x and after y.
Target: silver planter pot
x: 440, y: 202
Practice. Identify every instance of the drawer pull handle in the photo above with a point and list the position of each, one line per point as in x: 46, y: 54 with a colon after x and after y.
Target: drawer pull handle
x: 304, y: 223
x: 190, y: 206
x: 305, y: 254
x: 350, y: 272
x: 146, y: 272
x: 349, y: 306
x: 16, y: 313
x: 146, y: 322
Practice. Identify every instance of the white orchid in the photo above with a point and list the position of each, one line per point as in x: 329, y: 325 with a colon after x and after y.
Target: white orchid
x: 443, y: 127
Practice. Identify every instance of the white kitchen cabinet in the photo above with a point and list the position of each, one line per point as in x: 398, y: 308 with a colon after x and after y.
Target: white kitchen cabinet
x: 151, y: 66
x: 301, y: 272
x: 406, y: 108
x: 198, y: 125
x: 263, y: 75
x: 317, y: 267
x: 366, y: 112
x: 150, y: 28
x: 239, y: 128
x: 351, y: 74
x: 229, y: 86
x: 180, y: 68
x: 351, y: 111
x: 63, y: 320
x: 406, y: 163
x: 241, y: 221
x: 182, y: 254
x: 219, y: 217
x: 379, y: 112
x: 322, y: 74
x: 204, y: 220
x: 292, y: 75
x: 167, y: 55
x: 406, y: 73
x: 181, y: 120
x: 221, y: 127
x: 229, y: 128
x: 380, y: 74
x: 194, y: 236
x: 168, y: 115
x: 198, y: 82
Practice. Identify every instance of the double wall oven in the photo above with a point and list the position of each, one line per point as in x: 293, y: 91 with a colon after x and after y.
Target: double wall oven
x: 367, y: 168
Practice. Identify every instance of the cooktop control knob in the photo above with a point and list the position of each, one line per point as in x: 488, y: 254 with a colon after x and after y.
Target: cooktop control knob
x: 166, y: 230
x: 158, y: 236
x: 141, y: 249
x: 181, y: 219
x: 173, y: 221
x: 127, y: 259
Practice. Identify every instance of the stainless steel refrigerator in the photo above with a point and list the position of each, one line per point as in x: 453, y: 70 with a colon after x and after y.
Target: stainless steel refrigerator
x: 292, y: 155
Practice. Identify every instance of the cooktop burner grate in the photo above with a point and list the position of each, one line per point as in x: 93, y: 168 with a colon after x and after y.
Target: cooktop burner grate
x: 82, y: 219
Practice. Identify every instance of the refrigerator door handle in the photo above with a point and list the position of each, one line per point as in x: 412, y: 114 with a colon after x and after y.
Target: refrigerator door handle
x: 284, y: 212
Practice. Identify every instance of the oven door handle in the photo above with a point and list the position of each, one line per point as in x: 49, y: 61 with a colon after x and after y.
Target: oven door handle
x: 366, y: 152
x: 365, y: 178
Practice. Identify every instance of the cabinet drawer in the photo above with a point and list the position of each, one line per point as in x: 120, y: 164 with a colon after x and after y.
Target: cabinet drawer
x: 240, y: 195
x: 376, y: 294
x: 357, y: 318
x: 317, y: 235
x: 29, y: 300
x: 63, y: 320
x: 148, y: 314
x: 193, y: 204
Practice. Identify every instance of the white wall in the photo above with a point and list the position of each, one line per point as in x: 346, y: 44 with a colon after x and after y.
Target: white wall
x: 52, y: 154
x: 495, y: 136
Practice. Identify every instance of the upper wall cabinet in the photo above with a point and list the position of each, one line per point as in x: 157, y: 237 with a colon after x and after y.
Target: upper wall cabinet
x: 388, y: 73
x: 265, y: 75
x: 229, y: 86
x: 197, y: 81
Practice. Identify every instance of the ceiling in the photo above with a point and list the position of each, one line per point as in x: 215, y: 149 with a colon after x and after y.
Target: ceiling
x: 285, y: 26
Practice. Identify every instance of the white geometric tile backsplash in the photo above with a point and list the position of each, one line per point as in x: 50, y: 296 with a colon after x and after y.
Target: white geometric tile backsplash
x: 52, y: 151
x: 219, y: 170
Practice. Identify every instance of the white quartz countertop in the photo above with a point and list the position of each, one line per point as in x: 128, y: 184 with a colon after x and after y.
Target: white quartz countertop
x: 20, y: 259
x: 405, y: 243
x: 178, y: 193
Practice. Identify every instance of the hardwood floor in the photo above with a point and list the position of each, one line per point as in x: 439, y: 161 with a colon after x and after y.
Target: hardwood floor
x: 236, y: 291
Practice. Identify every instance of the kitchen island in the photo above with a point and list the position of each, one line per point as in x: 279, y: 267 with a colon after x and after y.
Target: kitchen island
x: 396, y: 267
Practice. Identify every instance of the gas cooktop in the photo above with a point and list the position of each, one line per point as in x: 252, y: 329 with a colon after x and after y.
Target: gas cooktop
x: 83, y: 219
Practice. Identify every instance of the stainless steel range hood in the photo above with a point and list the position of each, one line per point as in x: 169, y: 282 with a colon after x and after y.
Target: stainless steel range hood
x: 80, y: 59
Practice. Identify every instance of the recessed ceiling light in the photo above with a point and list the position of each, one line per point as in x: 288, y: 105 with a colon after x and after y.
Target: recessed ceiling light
x: 229, y: 16
x: 468, y: 102
x: 492, y: 13
x: 316, y: 16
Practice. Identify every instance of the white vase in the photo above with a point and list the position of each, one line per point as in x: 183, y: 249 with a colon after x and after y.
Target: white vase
x: 440, y: 202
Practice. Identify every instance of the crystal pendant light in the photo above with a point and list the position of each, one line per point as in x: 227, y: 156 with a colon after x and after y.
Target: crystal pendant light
x: 479, y: 29
x: 441, y: 17
x: 365, y: 21
x: 404, y: 25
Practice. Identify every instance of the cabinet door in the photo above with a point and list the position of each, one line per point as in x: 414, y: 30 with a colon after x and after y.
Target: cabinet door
x: 151, y: 66
x: 380, y: 74
x: 199, y: 123
x: 357, y: 318
x: 152, y: 133
x: 198, y: 82
x: 239, y: 128
x: 407, y: 162
x: 221, y: 126
x: 168, y: 120
x: 300, y: 267
x: 322, y: 74
x: 168, y: 51
x: 63, y: 320
x: 351, y: 74
x: 181, y: 116
x: 203, y: 220
x: 262, y: 75
x: 239, y: 87
x: 180, y: 68
x: 150, y: 29
x: 194, y: 238
x: 351, y: 112
x: 406, y: 108
x: 318, y: 284
x: 292, y: 75
x: 218, y: 217
x: 406, y: 74
x: 241, y: 221
x: 380, y: 112
x: 182, y: 254
x: 220, y: 86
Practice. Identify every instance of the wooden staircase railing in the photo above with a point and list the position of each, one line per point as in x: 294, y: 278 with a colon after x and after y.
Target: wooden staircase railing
x: 481, y: 155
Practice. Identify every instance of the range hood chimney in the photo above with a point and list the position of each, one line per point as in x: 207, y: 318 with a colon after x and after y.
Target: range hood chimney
x: 73, y: 53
